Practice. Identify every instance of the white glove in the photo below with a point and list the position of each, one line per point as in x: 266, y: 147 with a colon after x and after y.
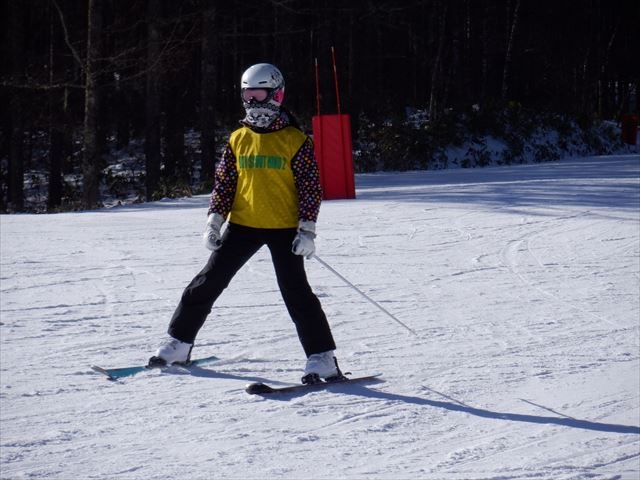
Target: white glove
x: 211, y: 235
x: 303, y: 243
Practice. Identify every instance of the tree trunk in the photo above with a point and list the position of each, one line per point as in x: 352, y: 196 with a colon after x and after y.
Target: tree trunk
x: 16, y: 157
x: 123, y: 117
x: 175, y: 162
x: 152, y: 110
x: 485, y: 53
x: 207, y: 96
x: 436, y: 73
x: 56, y: 140
x: 60, y: 146
x: 15, y: 187
x: 56, y: 155
x: 91, y: 154
x: 507, y: 60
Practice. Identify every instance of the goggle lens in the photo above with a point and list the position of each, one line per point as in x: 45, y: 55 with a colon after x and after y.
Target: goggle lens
x: 257, y: 94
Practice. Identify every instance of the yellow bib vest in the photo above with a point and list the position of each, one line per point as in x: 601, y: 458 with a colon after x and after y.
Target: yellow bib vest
x: 266, y: 194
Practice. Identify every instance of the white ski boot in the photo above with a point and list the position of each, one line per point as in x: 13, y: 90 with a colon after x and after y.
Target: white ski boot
x: 172, y: 351
x: 322, y: 366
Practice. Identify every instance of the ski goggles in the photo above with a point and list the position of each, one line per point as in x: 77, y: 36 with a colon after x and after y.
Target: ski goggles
x: 261, y: 95
x: 257, y: 94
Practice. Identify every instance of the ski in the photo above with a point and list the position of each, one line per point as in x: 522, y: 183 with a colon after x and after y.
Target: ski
x: 116, y: 373
x: 260, y: 388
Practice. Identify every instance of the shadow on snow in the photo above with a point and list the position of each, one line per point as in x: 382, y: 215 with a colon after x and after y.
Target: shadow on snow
x: 456, y: 406
x: 590, y: 182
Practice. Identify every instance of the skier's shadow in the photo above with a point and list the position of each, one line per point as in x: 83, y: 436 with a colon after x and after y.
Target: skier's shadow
x: 456, y: 406
x: 207, y: 373
x: 451, y: 405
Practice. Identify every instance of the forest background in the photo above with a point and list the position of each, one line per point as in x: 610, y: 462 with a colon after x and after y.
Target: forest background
x: 102, y: 97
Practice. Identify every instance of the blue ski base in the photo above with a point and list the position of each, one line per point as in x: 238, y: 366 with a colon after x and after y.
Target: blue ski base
x: 117, y: 373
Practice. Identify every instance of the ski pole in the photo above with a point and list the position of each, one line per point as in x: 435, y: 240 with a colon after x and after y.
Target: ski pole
x: 331, y: 269
x: 317, y: 90
x: 335, y: 77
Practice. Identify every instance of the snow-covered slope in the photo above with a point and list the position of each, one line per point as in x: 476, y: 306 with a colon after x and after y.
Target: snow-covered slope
x: 521, y: 284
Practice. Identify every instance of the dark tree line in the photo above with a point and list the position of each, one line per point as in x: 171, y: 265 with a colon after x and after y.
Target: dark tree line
x: 79, y: 73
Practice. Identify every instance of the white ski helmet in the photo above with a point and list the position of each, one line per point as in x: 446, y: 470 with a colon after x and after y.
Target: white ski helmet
x: 262, y: 92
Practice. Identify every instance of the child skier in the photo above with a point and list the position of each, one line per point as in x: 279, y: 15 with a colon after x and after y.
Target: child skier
x: 267, y: 188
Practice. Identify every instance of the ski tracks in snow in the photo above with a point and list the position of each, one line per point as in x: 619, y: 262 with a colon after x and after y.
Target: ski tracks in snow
x: 524, y: 364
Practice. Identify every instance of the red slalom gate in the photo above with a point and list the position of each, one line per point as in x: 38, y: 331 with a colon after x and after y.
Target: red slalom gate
x: 332, y: 140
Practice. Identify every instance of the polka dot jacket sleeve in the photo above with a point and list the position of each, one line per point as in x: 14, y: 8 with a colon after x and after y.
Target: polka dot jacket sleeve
x: 307, y: 180
x: 225, y: 183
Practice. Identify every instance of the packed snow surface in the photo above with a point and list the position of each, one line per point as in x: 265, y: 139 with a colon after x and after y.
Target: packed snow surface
x: 520, y: 286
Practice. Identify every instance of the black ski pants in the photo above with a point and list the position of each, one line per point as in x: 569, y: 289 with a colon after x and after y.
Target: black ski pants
x: 239, y: 243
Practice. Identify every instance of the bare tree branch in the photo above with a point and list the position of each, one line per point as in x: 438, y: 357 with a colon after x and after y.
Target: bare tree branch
x: 75, y: 54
